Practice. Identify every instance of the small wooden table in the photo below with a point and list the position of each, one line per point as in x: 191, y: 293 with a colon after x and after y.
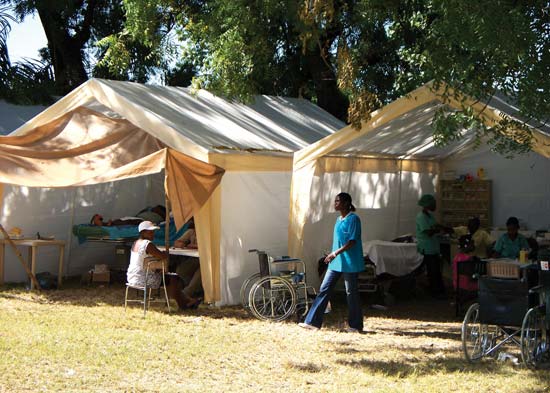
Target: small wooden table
x: 33, y: 245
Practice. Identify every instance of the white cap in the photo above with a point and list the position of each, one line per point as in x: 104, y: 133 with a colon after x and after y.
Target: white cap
x: 147, y: 226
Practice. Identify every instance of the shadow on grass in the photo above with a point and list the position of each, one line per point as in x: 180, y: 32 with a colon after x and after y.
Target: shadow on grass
x: 74, y: 294
x: 429, y: 366
x: 419, y: 308
x: 441, y: 333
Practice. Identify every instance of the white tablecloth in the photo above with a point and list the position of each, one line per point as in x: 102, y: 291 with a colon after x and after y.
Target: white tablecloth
x: 188, y: 252
x: 397, y: 259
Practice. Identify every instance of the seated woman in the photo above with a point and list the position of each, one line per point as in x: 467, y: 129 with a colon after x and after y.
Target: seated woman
x: 189, y: 237
x: 466, y: 250
x: 481, y: 239
x: 189, y: 268
x: 512, y: 242
x: 143, y: 247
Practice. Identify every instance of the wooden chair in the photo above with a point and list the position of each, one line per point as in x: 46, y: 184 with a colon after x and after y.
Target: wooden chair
x: 152, y: 264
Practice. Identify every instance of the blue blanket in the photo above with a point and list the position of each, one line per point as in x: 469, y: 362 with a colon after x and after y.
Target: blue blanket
x: 129, y: 232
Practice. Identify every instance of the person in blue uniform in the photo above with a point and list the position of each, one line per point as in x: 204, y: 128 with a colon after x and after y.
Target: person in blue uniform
x: 345, y: 259
x: 512, y: 242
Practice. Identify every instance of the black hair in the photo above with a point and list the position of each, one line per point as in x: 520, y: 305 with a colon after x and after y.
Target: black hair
x: 465, y: 242
x: 346, y: 198
x: 160, y: 210
x: 512, y: 221
x: 92, y: 220
x: 475, y: 221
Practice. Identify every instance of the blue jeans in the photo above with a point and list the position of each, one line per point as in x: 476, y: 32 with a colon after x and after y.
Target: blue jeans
x: 355, y: 315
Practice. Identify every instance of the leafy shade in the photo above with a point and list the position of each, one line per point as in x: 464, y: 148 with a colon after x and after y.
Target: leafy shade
x: 485, y: 49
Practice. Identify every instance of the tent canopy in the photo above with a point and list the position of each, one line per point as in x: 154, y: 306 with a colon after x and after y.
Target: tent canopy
x: 197, y: 122
x: 397, y: 138
x: 403, y: 129
x: 109, y: 130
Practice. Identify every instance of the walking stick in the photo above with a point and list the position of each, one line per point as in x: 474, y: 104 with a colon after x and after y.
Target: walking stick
x: 20, y: 257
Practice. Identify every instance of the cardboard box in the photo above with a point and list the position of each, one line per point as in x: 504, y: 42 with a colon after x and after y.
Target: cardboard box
x: 104, y: 277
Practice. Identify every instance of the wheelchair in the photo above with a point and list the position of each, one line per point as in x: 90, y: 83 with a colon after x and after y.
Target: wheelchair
x: 535, y: 350
x: 278, y: 290
x: 497, y: 319
x: 511, y: 311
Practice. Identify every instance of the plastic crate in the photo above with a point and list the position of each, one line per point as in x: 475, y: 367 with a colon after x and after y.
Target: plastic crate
x: 498, y: 269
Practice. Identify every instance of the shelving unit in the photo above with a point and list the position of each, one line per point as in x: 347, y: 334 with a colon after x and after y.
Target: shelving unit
x: 461, y: 200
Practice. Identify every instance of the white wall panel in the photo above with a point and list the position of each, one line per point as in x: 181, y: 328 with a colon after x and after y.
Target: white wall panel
x: 254, y: 214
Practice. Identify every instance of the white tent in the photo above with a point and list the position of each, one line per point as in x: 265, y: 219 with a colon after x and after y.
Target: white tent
x: 391, y: 161
x: 13, y: 116
x: 253, y: 143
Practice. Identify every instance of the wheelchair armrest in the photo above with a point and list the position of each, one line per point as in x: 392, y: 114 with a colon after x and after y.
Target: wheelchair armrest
x: 536, y: 289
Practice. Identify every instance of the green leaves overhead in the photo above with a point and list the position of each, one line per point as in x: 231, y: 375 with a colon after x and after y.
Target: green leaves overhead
x: 348, y: 56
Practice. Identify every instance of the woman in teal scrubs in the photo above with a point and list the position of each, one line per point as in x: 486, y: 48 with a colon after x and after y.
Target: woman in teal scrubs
x: 345, y: 259
x: 512, y: 242
x: 427, y: 238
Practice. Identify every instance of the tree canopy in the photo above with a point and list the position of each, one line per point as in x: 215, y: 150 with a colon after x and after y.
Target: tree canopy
x: 348, y: 56
x: 352, y: 56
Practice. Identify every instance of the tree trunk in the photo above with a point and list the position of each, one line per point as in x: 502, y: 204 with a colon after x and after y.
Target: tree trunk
x: 329, y: 96
x: 66, y: 52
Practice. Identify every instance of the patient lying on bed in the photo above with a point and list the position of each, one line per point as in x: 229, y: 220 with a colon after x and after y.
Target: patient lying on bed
x: 156, y: 214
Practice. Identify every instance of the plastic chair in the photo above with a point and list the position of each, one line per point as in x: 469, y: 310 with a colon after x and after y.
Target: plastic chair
x: 152, y: 265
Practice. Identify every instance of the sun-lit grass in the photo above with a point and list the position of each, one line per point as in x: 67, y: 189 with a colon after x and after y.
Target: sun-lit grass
x: 82, y: 340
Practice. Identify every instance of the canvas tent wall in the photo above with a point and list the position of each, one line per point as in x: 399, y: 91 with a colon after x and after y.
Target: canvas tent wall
x: 253, y: 143
x: 386, y: 165
x: 13, y: 116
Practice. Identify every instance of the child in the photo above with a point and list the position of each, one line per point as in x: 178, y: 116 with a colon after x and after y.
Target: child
x: 466, y: 247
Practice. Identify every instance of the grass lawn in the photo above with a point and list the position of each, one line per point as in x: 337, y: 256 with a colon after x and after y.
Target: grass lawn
x: 81, y: 339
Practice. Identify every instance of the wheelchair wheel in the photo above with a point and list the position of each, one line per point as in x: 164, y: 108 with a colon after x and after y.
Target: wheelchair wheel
x: 533, y: 337
x: 475, y: 335
x: 272, y: 298
x: 245, y: 290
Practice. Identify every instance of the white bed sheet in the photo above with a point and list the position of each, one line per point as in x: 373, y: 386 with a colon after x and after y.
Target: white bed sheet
x: 397, y: 259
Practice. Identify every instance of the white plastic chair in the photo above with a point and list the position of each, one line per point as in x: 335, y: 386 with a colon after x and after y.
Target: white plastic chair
x: 152, y: 265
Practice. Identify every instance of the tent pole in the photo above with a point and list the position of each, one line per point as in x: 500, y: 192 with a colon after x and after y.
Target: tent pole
x: 70, y: 235
x: 399, y: 190
x: 167, y: 219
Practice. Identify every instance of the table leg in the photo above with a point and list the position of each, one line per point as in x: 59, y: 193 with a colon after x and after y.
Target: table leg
x: 2, y: 248
x: 60, y: 273
x: 29, y: 265
x: 33, y: 264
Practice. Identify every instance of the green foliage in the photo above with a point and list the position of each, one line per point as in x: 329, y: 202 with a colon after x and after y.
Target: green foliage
x: 25, y: 83
x: 348, y: 56
x: 29, y: 82
x: 5, y: 27
x: 487, y: 48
